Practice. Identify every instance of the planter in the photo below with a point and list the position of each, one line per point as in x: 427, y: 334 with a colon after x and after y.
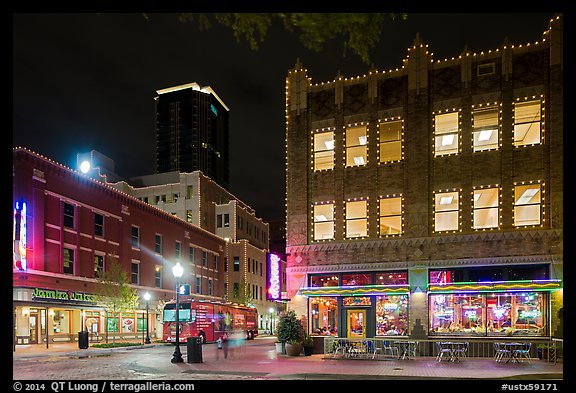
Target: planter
x: 308, y: 350
x: 293, y: 349
x: 542, y: 353
x: 280, y: 348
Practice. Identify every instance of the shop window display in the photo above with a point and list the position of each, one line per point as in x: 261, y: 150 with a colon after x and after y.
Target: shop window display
x: 356, y: 279
x: 391, y: 315
x: 324, y: 316
x: 457, y: 314
x: 324, y: 280
x: 491, y: 314
x: 391, y: 278
x: 515, y: 314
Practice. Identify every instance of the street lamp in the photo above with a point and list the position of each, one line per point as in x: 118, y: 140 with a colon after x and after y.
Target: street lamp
x: 147, y: 298
x: 271, y: 311
x: 177, y: 270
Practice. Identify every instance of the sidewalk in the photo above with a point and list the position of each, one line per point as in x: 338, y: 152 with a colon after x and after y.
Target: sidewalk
x: 257, y: 360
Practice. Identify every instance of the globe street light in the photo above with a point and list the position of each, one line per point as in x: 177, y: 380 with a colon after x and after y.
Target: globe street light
x: 147, y: 298
x: 177, y: 270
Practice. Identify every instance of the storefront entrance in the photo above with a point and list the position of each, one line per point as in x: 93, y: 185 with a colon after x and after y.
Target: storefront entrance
x: 356, y: 323
x: 33, y: 328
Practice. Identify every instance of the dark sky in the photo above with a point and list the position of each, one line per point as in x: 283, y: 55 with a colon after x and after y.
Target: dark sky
x: 87, y: 81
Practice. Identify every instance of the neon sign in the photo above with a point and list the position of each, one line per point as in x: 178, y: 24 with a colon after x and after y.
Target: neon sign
x: 19, y: 236
x: 273, y: 290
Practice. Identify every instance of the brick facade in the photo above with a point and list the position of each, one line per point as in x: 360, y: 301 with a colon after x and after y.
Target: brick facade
x: 422, y: 87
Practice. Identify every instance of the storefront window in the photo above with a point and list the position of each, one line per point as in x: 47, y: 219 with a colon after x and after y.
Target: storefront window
x: 112, y: 323
x: 491, y: 314
x: 324, y: 316
x: 459, y: 314
x: 356, y: 279
x: 391, y: 315
x: 61, y: 321
x: 324, y: 280
x: 141, y: 326
x: 516, y: 314
x: 391, y: 278
x: 128, y: 324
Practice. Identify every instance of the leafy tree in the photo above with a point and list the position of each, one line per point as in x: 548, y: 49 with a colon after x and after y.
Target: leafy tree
x: 360, y: 32
x: 114, y: 291
x: 243, y: 295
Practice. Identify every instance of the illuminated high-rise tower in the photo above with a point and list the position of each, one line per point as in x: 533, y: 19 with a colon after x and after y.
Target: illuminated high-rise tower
x: 192, y: 132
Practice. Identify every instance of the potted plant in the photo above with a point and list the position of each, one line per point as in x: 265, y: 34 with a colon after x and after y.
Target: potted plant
x: 291, y: 332
x: 308, y: 344
x: 542, y: 351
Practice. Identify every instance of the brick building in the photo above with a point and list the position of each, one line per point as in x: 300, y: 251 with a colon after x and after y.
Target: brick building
x: 199, y: 200
x: 69, y: 227
x: 427, y: 200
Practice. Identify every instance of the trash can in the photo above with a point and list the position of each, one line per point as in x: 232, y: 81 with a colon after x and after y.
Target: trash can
x: 83, y: 340
x: 194, y: 349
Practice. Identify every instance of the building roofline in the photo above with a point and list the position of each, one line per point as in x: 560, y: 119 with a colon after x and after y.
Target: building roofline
x: 194, y: 86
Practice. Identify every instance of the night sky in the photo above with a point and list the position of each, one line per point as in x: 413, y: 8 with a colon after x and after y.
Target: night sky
x: 87, y: 81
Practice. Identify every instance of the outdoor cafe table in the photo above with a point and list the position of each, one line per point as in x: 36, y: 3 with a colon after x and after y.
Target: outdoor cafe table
x: 406, y: 348
x: 511, y: 351
x: 453, y: 349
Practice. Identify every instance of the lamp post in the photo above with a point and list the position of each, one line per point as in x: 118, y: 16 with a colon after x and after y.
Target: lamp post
x: 147, y: 298
x: 271, y: 310
x: 177, y: 270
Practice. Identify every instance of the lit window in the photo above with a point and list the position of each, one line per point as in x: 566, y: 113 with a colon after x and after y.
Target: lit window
x: 486, y: 208
x: 356, y: 222
x: 356, y: 146
x: 324, y: 221
x: 446, y: 134
x: 485, y: 123
x: 391, y: 141
x: 323, y: 151
x: 158, y: 276
x: 446, y: 211
x: 527, y: 118
x: 98, y: 265
x: 527, y: 205
x: 68, y: 261
x: 390, y: 216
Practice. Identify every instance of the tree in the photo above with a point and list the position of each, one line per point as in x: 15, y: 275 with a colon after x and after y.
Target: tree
x: 242, y: 294
x: 114, y: 291
x: 360, y: 32
x: 289, y: 328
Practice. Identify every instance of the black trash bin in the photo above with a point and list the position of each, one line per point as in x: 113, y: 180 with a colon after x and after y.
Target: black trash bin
x: 194, y: 349
x: 83, y: 340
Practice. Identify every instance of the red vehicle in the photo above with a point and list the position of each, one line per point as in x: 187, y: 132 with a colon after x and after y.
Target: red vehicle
x: 209, y: 320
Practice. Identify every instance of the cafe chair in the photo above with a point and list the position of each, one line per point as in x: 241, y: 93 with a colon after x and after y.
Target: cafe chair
x: 340, y: 346
x: 523, y: 352
x: 461, y: 350
x: 444, y: 349
x: 372, y: 348
x: 392, y: 349
x: 500, y: 352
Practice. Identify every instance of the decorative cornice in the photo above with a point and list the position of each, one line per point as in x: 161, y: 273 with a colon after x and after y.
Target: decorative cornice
x: 417, y: 241
x: 523, y: 285
x: 400, y: 265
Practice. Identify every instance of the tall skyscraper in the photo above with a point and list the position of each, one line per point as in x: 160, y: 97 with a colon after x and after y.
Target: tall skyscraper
x: 192, y: 132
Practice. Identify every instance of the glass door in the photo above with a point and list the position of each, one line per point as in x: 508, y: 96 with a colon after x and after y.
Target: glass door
x: 33, y: 328
x: 356, y: 321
